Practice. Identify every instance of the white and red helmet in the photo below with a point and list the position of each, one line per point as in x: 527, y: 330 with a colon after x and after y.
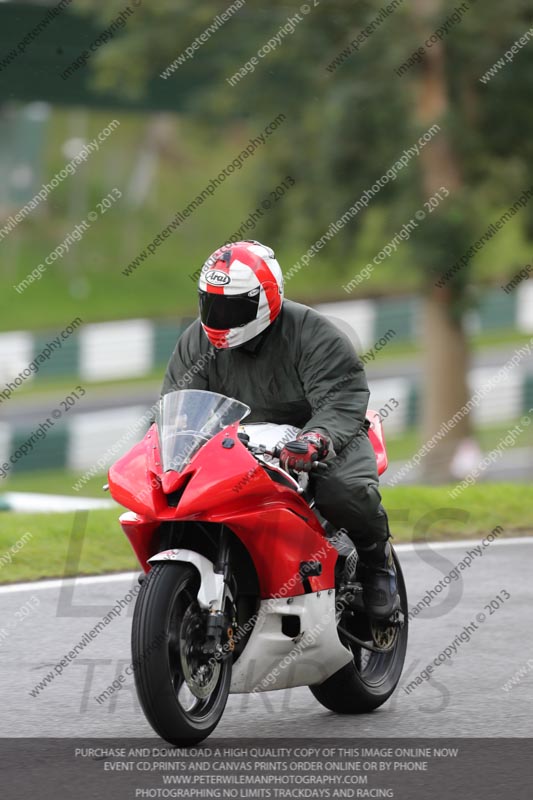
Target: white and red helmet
x: 241, y: 293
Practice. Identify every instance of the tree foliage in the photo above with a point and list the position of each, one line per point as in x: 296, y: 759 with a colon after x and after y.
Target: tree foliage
x: 346, y: 126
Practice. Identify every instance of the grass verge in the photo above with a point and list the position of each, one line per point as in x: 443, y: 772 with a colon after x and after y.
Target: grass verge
x: 54, y: 550
x: 104, y: 548
x: 54, y: 481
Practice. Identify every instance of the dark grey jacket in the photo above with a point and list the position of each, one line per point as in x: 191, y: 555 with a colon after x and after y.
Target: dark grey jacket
x: 302, y: 371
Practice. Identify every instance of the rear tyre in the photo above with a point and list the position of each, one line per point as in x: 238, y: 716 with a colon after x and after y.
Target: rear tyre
x: 182, y: 692
x: 370, y: 678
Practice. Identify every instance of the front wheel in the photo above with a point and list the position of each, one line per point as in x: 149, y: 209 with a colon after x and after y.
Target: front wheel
x: 371, y: 677
x: 183, y: 690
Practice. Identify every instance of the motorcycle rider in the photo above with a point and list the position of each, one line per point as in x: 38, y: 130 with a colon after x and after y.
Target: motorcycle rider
x: 292, y: 366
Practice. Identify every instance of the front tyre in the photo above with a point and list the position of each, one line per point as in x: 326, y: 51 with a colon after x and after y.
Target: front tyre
x: 182, y: 690
x: 371, y: 677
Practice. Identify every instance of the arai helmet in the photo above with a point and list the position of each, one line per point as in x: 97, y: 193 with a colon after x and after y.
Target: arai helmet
x: 241, y: 293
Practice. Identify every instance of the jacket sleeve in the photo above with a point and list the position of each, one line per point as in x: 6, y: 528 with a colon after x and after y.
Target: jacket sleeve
x: 333, y: 379
x: 188, y: 367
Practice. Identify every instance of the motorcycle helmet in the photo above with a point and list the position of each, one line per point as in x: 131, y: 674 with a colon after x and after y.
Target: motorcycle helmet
x: 241, y: 293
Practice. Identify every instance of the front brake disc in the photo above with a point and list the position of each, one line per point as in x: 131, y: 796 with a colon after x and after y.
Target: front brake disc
x: 201, y: 673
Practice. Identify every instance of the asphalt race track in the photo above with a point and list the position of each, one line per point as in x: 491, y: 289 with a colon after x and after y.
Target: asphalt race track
x: 464, y: 697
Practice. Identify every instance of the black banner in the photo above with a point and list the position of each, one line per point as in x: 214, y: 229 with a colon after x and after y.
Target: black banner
x: 405, y: 769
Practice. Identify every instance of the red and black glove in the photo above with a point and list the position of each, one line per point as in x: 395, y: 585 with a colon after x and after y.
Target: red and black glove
x: 301, y: 454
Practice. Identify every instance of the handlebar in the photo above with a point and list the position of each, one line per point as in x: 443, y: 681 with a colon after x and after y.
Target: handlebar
x: 260, y: 450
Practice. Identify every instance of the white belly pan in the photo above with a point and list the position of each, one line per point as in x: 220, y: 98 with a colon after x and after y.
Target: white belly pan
x: 272, y: 660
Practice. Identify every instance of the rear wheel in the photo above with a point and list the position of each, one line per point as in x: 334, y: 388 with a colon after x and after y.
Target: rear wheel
x: 182, y: 689
x: 373, y: 674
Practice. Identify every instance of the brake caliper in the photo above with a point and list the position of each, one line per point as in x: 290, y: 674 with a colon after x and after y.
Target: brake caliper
x: 231, y: 640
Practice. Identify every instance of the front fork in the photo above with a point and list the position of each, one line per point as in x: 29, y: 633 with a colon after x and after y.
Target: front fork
x: 220, y: 627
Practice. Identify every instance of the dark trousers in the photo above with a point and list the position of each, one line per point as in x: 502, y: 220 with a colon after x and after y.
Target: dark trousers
x: 348, y: 494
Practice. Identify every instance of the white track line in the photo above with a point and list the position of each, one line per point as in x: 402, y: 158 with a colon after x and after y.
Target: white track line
x: 130, y: 576
x: 452, y: 545
x: 59, y: 582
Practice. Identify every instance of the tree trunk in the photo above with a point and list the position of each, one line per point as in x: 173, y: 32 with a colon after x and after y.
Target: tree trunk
x: 446, y: 351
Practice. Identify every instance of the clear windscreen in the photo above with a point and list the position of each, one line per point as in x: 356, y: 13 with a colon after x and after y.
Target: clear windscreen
x: 187, y: 419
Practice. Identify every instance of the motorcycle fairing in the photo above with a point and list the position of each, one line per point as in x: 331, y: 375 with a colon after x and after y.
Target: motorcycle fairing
x: 272, y: 660
x: 273, y: 521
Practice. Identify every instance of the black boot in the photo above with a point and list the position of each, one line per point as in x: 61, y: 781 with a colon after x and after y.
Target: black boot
x: 376, y: 571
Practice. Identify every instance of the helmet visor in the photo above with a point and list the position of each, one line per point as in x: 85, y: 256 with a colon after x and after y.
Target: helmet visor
x: 225, y: 311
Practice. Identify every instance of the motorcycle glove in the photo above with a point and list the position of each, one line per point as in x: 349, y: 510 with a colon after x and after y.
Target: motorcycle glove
x: 300, y: 454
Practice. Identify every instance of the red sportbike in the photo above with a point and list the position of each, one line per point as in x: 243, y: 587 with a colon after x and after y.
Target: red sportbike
x: 246, y: 587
